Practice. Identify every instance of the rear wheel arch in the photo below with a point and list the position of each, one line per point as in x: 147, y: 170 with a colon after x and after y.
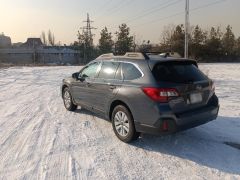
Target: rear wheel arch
x: 123, y: 123
x: 114, y: 104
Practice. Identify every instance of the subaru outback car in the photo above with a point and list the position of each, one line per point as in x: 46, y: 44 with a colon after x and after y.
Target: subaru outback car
x: 143, y: 93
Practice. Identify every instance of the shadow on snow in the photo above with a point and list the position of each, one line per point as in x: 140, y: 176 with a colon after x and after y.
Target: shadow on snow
x: 204, y: 145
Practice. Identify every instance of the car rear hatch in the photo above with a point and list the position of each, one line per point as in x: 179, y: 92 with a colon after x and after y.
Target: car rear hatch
x: 193, y: 88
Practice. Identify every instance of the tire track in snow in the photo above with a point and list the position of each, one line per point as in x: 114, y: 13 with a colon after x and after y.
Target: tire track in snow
x: 44, y: 141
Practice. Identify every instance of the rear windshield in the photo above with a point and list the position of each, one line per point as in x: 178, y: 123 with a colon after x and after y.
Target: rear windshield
x: 177, y: 72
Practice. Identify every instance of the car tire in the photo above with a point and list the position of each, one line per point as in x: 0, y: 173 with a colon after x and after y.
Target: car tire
x: 123, y: 124
x: 67, y: 100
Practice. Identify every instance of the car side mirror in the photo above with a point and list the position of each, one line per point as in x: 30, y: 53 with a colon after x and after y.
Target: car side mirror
x: 82, y: 77
x: 75, y: 75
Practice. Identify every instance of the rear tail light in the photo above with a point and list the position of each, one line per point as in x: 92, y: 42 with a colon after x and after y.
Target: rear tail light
x: 160, y: 94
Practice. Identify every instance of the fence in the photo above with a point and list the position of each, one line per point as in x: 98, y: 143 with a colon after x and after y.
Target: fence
x: 40, y: 56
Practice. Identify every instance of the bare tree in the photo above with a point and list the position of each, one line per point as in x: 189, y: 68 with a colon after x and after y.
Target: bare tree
x: 43, y: 38
x: 167, y: 33
x: 51, y: 38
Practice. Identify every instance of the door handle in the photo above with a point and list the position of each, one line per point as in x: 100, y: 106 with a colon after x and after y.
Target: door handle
x: 112, y: 87
x: 88, y: 84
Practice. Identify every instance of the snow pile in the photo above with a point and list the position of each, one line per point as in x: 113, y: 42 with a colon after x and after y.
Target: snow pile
x: 39, y: 139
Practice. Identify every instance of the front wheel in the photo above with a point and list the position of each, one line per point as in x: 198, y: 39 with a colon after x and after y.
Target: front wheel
x: 123, y: 124
x: 67, y: 99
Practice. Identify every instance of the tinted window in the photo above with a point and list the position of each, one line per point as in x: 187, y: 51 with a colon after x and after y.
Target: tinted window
x: 108, y: 70
x: 118, y: 75
x: 90, y: 70
x: 130, y: 72
x: 178, y: 72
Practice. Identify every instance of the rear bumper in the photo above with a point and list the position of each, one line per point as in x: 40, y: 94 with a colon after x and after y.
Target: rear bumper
x: 193, y: 119
x: 183, y: 121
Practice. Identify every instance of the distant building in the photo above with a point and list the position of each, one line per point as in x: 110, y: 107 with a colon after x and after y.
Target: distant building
x: 33, y: 43
x: 17, y: 45
x: 5, y: 41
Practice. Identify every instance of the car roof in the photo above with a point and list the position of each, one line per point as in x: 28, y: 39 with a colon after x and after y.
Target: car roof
x: 152, y: 58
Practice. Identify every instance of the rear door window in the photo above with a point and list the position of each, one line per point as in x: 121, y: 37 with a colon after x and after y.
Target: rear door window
x: 130, y: 72
x: 108, y: 70
x: 118, y: 75
x: 177, y: 72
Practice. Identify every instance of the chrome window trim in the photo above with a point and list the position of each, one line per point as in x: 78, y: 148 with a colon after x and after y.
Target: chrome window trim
x: 119, y: 61
x: 138, y: 68
x: 128, y: 63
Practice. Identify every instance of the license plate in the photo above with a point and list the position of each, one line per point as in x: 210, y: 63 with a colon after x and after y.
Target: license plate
x: 195, y: 98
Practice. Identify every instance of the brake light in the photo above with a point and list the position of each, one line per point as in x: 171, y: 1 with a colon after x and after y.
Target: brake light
x: 160, y: 94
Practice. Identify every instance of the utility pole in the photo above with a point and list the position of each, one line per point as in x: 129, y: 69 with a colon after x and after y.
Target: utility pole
x: 88, y: 36
x: 186, y: 28
x: 134, y: 43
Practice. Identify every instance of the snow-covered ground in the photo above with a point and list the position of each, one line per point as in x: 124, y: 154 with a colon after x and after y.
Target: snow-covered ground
x: 39, y: 139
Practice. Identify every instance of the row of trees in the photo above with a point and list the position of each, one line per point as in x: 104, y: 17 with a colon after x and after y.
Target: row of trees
x: 124, y: 43
x: 210, y: 44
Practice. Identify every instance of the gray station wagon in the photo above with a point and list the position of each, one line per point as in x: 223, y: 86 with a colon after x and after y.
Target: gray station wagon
x: 143, y: 93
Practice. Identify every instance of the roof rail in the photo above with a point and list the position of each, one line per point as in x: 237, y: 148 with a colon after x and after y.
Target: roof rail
x: 132, y: 55
x: 136, y: 55
x: 163, y: 54
x: 142, y: 55
x: 170, y: 54
x: 109, y: 55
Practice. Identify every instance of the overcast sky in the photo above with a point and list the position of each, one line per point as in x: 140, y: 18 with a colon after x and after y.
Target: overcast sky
x: 21, y: 19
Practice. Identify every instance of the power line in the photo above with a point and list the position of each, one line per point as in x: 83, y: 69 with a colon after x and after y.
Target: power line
x: 109, y: 9
x: 105, y: 4
x: 174, y: 15
x: 115, y: 7
x: 163, y: 6
x: 207, y: 5
x: 167, y: 17
x: 118, y: 7
x: 151, y: 11
x: 148, y: 10
x: 182, y: 12
x: 121, y: 7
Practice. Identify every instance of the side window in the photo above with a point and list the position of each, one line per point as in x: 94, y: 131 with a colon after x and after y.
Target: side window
x: 118, y: 75
x: 91, y: 70
x: 130, y: 72
x: 108, y: 70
